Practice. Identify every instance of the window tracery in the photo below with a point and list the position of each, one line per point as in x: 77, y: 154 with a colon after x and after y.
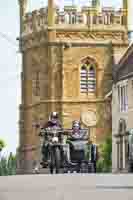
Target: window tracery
x: 88, y: 77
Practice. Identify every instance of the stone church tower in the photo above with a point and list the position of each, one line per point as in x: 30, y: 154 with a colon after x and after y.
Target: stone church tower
x: 67, y: 59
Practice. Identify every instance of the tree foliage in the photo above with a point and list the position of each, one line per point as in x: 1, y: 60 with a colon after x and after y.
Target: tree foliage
x: 104, y: 163
x: 2, y: 144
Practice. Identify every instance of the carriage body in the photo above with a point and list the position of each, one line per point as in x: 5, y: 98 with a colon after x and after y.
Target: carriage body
x: 79, y: 158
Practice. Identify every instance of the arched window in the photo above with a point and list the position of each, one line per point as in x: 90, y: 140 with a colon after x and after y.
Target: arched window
x: 88, y: 77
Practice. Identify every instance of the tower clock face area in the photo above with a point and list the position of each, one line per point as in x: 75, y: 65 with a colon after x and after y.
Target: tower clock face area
x: 89, y: 118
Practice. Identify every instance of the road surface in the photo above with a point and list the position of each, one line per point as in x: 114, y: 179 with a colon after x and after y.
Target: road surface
x: 67, y: 187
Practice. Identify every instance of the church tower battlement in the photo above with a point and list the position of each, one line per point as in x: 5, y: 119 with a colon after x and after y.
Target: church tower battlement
x: 71, y: 16
x: 89, y: 23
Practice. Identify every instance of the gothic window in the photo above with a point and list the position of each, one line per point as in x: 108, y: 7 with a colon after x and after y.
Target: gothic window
x: 88, y: 77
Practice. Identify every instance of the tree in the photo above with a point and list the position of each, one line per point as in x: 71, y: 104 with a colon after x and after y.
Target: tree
x: 104, y: 163
x: 2, y: 145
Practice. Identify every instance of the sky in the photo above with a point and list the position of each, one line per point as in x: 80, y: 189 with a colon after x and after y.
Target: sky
x: 10, y: 66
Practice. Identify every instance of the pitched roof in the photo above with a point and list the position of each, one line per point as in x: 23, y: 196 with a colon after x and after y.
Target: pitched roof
x: 124, y: 68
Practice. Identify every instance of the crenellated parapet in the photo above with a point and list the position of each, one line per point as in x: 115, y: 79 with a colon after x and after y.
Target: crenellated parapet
x: 89, y: 16
x: 71, y: 16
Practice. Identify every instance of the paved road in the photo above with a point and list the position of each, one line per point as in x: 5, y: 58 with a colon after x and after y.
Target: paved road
x: 67, y: 187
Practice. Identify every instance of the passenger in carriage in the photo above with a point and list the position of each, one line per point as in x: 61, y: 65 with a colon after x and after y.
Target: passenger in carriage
x: 76, y: 127
x: 75, y: 134
x: 77, y: 131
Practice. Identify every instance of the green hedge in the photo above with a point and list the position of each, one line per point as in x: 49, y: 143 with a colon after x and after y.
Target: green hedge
x: 8, y: 165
